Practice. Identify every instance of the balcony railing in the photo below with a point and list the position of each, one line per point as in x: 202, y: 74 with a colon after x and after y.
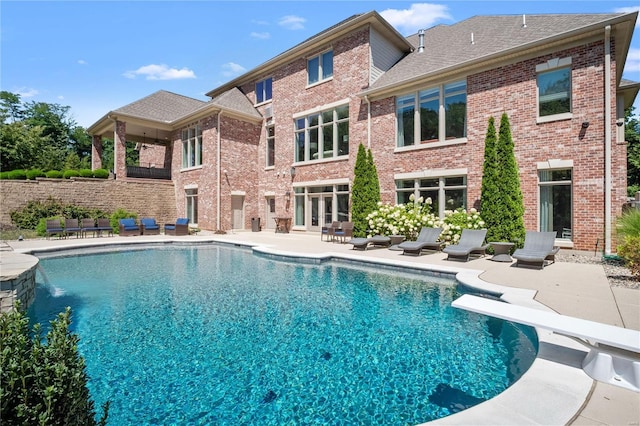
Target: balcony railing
x: 148, y: 172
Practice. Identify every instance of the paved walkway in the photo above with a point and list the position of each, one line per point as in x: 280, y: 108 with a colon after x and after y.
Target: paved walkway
x: 554, y: 391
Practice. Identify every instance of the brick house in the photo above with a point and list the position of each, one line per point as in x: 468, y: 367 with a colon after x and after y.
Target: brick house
x: 281, y: 140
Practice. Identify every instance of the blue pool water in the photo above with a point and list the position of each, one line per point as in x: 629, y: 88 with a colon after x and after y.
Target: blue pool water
x: 218, y: 336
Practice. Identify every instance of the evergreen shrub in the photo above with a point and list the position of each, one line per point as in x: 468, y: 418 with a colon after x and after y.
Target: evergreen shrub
x: 101, y: 173
x: 115, y: 217
x: 67, y: 174
x: 18, y: 174
x: 54, y: 174
x: 86, y: 173
x: 35, y: 173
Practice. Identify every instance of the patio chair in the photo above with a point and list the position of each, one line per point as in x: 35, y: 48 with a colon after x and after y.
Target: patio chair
x: 104, y: 225
x: 148, y: 226
x: 88, y: 225
x: 345, y: 231
x: 538, y: 250
x: 72, y: 226
x: 127, y: 227
x: 328, y: 231
x: 471, y: 244
x: 181, y: 227
x: 363, y: 243
x: 54, y: 227
x: 427, y: 240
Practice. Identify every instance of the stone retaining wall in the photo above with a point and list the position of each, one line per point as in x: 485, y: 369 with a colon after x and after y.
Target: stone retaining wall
x: 147, y: 198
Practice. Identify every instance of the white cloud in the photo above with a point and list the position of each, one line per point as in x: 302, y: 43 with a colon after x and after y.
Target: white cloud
x: 61, y: 97
x: 160, y: 72
x: 633, y: 60
x: 25, y: 92
x: 82, y: 62
x: 292, y: 22
x: 418, y: 16
x: 261, y: 36
x: 231, y: 69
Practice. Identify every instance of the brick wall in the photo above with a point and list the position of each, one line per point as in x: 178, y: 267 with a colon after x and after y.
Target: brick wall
x: 145, y: 197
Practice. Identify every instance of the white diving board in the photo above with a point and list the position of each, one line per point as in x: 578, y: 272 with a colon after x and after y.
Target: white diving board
x: 615, y: 351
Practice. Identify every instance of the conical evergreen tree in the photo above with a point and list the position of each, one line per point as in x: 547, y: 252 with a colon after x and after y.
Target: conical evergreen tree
x: 365, y: 192
x: 511, y: 227
x: 490, y: 203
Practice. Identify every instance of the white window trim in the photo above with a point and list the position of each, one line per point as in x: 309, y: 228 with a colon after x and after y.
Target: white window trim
x: 320, y: 79
x: 318, y: 111
x: 266, y: 101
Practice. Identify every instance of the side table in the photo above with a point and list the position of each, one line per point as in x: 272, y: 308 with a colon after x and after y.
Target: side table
x: 502, y: 250
x: 395, y: 241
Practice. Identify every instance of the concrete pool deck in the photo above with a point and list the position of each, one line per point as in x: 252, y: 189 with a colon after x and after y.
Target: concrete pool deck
x: 554, y: 391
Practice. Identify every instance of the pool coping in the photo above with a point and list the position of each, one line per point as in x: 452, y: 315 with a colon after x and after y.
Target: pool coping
x: 560, y: 386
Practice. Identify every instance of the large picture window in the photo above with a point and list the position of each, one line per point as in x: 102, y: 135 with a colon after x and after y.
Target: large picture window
x: 320, y: 68
x: 555, y: 202
x: 441, y: 115
x: 263, y: 90
x: 192, y: 147
x: 322, y: 135
x: 443, y: 193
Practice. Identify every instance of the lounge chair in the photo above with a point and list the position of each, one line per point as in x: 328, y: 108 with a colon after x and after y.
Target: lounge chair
x: 471, y: 243
x: 181, y: 227
x: 345, y: 230
x: 54, y: 227
x: 538, y: 250
x: 427, y: 240
x: 104, y: 225
x: 149, y: 226
x: 72, y: 226
x: 328, y: 231
x: 128, y: 227
x: 363, y: 243
x: 88, y: 225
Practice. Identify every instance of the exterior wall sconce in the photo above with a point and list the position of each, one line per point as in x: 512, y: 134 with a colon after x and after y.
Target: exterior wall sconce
x: 585, y: 124
x: 287, y: 195
x: 292, y: 171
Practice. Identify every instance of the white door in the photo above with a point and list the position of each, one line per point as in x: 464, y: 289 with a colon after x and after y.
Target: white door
x: 270, y: 216
x: 237, y: 212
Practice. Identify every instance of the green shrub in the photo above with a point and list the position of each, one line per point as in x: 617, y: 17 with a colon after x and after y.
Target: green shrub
x: 54, y: 174
x: 86, y: 173
x: 43, y: 383
x: 629, y: 250
x: 628, y: 225
x: 4, y: 175
x: 18, y: 174
x: 41, y: 228
x: 632, y: 189
x: 101, y: 173
x: 67, y: 174
x: 117, y: 215
x: 35, y: 173
x: 30, y: 215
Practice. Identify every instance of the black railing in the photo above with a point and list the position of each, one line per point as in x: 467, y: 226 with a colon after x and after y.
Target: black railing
x: 148, y: 172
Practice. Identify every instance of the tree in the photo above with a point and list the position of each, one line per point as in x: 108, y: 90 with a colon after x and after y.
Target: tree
x: 43, y: 384
x: 632, y: 136
x: 365, y: 193
x: 502, y: 206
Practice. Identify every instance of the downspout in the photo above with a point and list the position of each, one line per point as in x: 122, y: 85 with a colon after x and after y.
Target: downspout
x: 366, y: 99
x: 218, y: 172
x: 607, y: 139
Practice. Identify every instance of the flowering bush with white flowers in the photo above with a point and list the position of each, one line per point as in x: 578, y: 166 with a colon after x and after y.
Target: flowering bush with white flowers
x: 408, y: 219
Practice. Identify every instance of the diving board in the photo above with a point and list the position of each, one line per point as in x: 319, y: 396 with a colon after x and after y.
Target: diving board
x: 615, y: 351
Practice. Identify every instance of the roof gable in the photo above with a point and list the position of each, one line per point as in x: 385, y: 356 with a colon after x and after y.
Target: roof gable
x: 161, y: 106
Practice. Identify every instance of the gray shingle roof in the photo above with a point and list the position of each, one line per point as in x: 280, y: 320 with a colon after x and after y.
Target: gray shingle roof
x: 448, y: 46
x: 162, y: 106
x: 234, y: 100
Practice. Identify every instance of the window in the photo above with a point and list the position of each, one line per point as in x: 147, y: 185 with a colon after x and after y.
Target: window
x: 263, y: 90
x: 321, y: 200
x: 442, y: 114
x: 556, y: 201
x: 271, y: 146
x: 320, y: 68
x: 192, y: 147
x: 192, y: 204
x: 443, y: 193
x: 322, y: 135
x: 554, y: 88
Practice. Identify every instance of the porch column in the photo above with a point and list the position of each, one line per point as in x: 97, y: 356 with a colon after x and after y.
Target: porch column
x: 120, y: 150
x: 96, y: 152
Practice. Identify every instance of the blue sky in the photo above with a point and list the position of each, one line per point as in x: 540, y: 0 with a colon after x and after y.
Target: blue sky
x: 96, y: 56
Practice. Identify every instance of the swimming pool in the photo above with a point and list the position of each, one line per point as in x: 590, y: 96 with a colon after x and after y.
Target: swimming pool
x: 217, y: 335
